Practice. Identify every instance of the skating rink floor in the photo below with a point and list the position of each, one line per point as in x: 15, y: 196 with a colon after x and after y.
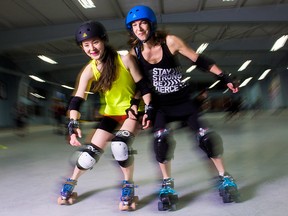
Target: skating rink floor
x: 33, y: 168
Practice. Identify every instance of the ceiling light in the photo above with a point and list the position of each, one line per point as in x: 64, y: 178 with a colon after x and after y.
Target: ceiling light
x: 214, y: 84
x: 191, y: 68
x: 245, y: 64
x: 184, y: 80
x: 68, y: 87
x: 87, y: 3
x: 264, y: 74
x: 279, y: 43
x: 201, y: 48
x: 46, y: 59
x: 123, y: 52
x: 245, y: 82
x: 36, y: 78
x: 37, y: 95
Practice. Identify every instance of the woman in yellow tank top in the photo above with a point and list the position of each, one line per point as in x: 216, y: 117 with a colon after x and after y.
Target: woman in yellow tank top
x: 116, y: 78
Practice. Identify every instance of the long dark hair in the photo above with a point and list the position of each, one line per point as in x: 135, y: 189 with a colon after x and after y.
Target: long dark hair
x: 108, y: 70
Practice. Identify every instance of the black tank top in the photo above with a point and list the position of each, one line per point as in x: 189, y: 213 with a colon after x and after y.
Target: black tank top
x: 165, y: 78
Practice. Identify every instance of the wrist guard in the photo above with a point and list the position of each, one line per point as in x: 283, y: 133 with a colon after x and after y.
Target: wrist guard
x: 149, y: 111
x: 135, y: 101
x: 224, y: 77
x: 72, y: 125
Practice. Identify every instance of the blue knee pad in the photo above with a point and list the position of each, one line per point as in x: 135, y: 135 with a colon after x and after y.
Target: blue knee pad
x: 210, y: 142
x: 164, y: 146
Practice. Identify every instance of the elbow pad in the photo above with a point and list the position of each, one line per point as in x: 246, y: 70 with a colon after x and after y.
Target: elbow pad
x: 142, y: 86
x: 204, y: 63
x: 75, y: 103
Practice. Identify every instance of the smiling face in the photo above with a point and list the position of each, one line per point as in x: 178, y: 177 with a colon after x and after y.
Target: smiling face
x: 94, y: 48
x: 141, y: 29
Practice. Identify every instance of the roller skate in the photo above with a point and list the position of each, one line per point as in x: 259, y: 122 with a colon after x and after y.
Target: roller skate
x: 167, y: 196
x: 128, y: 199
x: 228, y: 189
x: 68, y: 197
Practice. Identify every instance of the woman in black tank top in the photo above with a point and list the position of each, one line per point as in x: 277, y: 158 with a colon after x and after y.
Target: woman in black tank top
x: 156, y: 52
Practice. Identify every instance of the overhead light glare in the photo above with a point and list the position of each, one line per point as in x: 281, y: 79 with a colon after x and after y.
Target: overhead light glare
x: 67, y: 87
x: 87, y: 92
x: 47, y: 59
x: 36, y: 78
x: 87, y: 4
x: 224, y: 92
x: 191, y: 68
x: 214, y: 84
x: 202, y: 47
x: 245, y: 82
x: 123, y: 52
x: 279, y: 43
x: 244, y: 65
x: 186, y: 79
x: 264, y: 74
x: 37, y: 95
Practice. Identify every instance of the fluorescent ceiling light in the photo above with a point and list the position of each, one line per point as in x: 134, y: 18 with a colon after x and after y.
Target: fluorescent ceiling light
x: 37, y: 95
x: 36, y: 78
x: 214, y: 84
x: 191, y: 68
x: 68, y: 87
x: 264, y: 74
x: 245, y: 64
x: 226, y: 91
x: 123, y: 52
x: 279, y: 43
x: 87, y: 3
x: 87, y: 92
x: 201, y: 48
x: 46, y: 59
x: 245, y: 82
x: 184, y: 80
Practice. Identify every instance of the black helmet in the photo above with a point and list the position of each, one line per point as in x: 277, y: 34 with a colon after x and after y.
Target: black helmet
x: 89, y: 30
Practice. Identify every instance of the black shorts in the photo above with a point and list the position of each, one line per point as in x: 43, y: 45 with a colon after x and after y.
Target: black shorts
x: 185, y: 111
x: 110, y: 124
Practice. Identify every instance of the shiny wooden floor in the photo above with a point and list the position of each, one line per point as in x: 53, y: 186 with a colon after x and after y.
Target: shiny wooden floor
x: 33, y: 167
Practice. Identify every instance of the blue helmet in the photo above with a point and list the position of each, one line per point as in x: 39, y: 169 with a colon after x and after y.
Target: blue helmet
x: 89, y: 30
x: 141, y: 12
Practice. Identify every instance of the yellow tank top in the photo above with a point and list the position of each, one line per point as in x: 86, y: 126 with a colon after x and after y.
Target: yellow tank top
x: 117, y: 99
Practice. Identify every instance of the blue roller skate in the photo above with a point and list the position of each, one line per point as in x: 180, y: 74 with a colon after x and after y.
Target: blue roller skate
x: 167, y: 196
x: 128, y: 199
x: 68, y: 197
x: 228, y: 189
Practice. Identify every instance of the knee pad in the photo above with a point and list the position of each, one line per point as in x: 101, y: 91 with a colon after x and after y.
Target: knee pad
x: 210, y: 142
x: 163, y: 145
x: 88, y: 156
x: 121, y: 148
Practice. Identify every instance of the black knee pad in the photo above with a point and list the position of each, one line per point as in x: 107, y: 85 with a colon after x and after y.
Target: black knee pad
x: 210, y: 142
x: 89, y: 154
x: 121, y: 148
x: 164, y: 146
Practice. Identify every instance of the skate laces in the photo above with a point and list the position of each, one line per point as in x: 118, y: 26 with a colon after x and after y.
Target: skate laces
x: 167, y: 186
x: 127, y: 190
x: 69, y: 186
x: 227, y: 181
